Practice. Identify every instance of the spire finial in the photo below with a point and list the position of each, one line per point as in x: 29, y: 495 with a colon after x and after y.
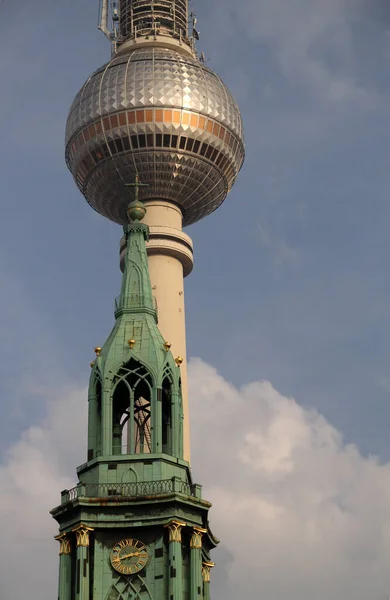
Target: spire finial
x: 137, y: 184
x: 136, y: 292
x: 136, y: 209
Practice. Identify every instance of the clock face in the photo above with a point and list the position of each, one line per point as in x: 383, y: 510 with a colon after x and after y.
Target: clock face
x: 129, y: 556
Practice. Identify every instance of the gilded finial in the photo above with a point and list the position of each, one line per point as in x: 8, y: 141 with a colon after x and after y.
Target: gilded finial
x: 167, y: 346
x: 131, y: 343
x: 136, y: 210
x: 98, y: 351
x: 179, y: 361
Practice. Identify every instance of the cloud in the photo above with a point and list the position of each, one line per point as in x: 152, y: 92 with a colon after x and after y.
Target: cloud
x: 42, y: 440
x: 302, y: 513
x: 34, y: 471
x: 316, y: 45
x: 281, y: 252
x: 299, y: 512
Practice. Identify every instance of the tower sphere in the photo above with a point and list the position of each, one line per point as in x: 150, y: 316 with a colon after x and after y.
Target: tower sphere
x: 160, y: 114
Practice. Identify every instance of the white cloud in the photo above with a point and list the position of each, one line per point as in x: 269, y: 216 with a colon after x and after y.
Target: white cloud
x: 32, y: 475
x: 280, y: 250
x: 299, y: 511
x: 303, y: 513
x: 313, y: 42
x: 35, y: 468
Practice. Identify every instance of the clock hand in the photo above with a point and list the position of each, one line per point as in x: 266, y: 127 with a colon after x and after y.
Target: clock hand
x: 129, y: 555
x: 143, y: 554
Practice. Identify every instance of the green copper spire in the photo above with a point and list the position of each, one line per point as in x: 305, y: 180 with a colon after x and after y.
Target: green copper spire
x: 136, y: 349
x: 136, y: 292
x: 135, y: 527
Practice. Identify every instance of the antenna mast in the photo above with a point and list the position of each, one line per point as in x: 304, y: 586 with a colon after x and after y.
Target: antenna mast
x: 108, y: 20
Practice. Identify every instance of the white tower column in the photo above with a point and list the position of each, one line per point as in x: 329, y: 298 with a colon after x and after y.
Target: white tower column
x: 170, y: 253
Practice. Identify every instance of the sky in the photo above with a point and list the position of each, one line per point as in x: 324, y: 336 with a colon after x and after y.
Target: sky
x: 288, y: 315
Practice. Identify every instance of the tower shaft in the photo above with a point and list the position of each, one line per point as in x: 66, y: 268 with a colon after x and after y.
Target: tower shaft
x: 170, y: 259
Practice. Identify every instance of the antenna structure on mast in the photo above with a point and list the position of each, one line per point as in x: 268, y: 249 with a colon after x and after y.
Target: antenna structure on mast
x: 109, y: 20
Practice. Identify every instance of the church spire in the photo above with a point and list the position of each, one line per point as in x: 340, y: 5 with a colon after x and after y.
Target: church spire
x: 135, y: 402
x: 136, y: 526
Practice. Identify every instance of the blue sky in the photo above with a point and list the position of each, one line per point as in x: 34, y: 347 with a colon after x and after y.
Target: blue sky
x: 291, y: 282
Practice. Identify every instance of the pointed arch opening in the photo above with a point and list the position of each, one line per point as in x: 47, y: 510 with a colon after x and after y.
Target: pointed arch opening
x: 98, y: 417
x: 167, y: 416
x: 142, y: 419
x: 95, y: 418
x: 132, y: 411
x: 120, y: 416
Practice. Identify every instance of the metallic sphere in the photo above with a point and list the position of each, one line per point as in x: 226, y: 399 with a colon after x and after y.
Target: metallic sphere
x: 160, y: 115
x: 136, y: 211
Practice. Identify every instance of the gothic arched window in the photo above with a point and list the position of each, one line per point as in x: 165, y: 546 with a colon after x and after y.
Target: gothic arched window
x: 132, y: 411
x: 167, y: 416
x: 95, y: 418
x: 98, y: 416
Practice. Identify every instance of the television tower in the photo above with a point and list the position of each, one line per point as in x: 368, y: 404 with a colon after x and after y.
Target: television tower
x: 154, y: 142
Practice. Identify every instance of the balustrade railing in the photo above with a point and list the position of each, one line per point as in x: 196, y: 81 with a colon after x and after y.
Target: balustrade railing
x: 133, y: 490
